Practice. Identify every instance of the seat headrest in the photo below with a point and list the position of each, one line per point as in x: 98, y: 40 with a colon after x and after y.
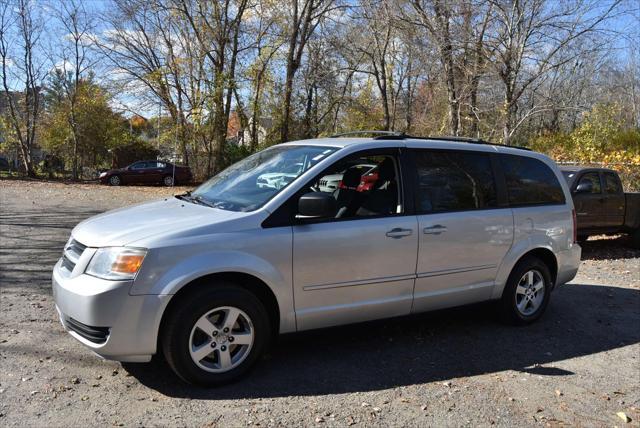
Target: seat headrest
x: 386, y: 170
x: 351, y: 177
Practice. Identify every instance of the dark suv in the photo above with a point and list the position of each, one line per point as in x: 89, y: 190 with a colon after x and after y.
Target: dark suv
x: 147, y: 172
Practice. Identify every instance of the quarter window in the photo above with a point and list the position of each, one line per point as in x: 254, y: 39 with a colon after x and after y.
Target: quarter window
x: 611, y: 183
x: 530, y: 181
x: 454, y: 181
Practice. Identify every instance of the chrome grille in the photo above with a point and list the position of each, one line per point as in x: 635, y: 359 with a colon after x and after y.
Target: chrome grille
x: 72, y: 252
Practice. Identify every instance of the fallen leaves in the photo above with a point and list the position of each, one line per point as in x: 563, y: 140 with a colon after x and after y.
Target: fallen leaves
x: 624, y: 417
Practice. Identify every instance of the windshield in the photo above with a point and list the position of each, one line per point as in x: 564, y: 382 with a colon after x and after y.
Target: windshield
x: 250, y: 183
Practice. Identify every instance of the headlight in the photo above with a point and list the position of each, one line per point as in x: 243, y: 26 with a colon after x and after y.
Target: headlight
x: 103, y: 174
x: 116, y: 263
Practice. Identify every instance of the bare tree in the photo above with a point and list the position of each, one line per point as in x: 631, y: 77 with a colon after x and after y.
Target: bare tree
x: 377, y: 51
x: 304, y: 18
x: 217, y: 25
x: 20, y: 32
x: 266, y: 47
x: 436, y: 16
x: 529, y: 40
x: 140, y: 46
x: 75, y: 63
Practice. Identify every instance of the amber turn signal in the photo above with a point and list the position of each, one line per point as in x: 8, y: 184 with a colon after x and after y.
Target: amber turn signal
x: 127, y: 263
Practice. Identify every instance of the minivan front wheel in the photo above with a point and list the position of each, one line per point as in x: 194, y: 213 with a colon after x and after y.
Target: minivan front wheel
x: 221, y: 339
x: 527, y: 292
x: 214, y: 335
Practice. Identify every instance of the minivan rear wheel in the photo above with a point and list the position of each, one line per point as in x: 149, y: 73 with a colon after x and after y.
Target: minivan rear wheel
x: 215, y: 334
x: 527, y: 292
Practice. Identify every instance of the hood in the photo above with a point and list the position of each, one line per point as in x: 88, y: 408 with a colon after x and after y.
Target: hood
x: 127, y: 225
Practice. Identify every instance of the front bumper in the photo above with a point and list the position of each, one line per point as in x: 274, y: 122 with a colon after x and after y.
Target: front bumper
x: 130, y: 323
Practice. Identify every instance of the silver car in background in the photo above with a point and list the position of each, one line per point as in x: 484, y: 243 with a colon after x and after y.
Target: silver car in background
x: 210, y: 277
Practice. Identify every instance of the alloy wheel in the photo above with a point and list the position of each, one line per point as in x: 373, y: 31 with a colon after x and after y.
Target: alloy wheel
x: 530, y: 292
x: 221, y: 339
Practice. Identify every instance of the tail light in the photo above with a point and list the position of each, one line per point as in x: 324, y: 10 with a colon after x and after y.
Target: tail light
x: 575, y: 226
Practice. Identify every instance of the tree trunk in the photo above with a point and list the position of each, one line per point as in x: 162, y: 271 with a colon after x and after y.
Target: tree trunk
x: 452, y: 96
x: 511, y: 110
x: 219, y: 125
x: 474, y: 129
x: 256, y: 114
x: 307, y: 113
x: 286, y: 107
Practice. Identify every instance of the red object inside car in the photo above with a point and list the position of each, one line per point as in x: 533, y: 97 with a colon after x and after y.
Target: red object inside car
x: 367, y: 182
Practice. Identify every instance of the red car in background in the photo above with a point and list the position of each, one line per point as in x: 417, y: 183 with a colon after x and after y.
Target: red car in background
x: 148, y: 172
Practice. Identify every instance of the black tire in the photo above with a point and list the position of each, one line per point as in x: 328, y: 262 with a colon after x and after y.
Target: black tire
x: 168, y: 181
x: 115, y: 180
x: 635, y: 239
x: 176, y: 331
x: 509, y: 312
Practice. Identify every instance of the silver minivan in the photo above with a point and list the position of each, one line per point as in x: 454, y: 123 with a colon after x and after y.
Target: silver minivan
x: 210, y: 277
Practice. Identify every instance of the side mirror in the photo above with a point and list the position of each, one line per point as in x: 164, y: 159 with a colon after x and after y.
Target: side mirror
x: 585, y: 187
x: 317, y: 205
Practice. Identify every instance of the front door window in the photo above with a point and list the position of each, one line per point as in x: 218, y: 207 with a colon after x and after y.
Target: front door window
x: 363, y: 186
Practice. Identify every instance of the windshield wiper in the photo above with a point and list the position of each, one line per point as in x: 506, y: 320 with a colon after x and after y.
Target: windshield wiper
x: 186, y: 196
x: 195, y: 200
x: 203, y: 201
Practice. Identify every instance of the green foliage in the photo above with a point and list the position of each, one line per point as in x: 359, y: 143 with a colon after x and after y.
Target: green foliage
x: 134, y: 150
x: 601, y: 139
x: 7, y: 136
x: 364, y: 112
x: 234, y: 153
x: 100, y: 130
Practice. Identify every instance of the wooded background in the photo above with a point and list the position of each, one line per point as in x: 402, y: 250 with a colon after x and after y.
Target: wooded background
x: 208, y: 82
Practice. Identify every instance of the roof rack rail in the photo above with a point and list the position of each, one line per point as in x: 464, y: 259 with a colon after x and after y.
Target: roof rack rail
x: 449, y: 138
x: 380, y: 133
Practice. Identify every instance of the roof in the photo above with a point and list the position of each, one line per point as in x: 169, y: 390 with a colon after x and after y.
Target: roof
x: 578, y: 168
x: 412, y: 142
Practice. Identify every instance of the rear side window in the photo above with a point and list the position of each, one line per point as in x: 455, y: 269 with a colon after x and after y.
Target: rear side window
x: 530, y: 181
x: 139, y: 165
x: 454, y: 181
x: 611, y: 183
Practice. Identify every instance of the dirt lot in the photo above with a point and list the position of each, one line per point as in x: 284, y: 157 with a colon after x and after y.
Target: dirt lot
x: 579, y: 365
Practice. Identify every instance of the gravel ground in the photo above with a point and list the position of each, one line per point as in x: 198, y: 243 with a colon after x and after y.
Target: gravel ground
x: 580, y: 365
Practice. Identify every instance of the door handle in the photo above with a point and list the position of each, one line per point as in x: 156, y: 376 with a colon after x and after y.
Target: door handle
x: 398, y: 233
x: 434, y: 230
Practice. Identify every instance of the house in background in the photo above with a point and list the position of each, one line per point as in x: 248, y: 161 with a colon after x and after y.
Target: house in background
x: 241, y: 136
